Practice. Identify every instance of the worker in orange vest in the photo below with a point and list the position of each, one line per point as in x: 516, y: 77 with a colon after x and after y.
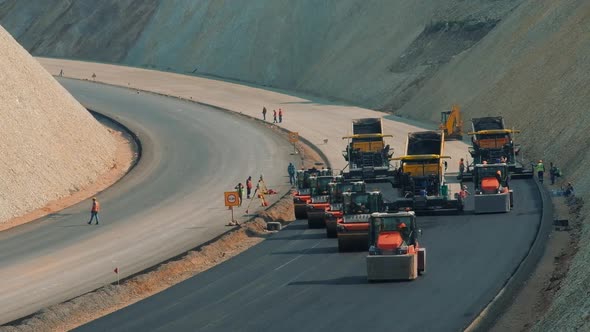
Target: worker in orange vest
x: 94, y: 210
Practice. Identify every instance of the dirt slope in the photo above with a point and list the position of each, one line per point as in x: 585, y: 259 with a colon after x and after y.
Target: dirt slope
x: 50, y: 145
x: 348, y: 49
x: 525, y: 60
x: 533, y: 70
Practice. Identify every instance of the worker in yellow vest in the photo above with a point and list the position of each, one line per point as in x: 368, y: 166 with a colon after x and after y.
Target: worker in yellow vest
x: 540, y: 169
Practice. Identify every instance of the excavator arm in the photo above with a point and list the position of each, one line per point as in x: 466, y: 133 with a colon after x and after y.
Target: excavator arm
x: 452, y: 123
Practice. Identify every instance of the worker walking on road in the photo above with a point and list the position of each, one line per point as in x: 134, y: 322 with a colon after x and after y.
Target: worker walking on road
x: 461, y: 168
x: 274, y: 116
x: 248, y: 187
x: 463, y: 193
x: 264, y: 113
x: 280, y: 115
x: 540, y: 168
x: 94, y: 210
x: 240, y: 189
x: 291, y: 171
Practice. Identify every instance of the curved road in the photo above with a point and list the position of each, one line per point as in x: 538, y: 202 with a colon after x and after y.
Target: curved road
x: 171, y: 202
x: 297, y: 281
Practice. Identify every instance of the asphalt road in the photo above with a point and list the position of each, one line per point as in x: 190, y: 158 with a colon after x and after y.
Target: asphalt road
x: 297, y: 281
x: 171, y: 202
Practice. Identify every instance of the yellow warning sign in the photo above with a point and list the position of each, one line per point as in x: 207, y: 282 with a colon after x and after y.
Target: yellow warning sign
x: 232, y: 198
x: 293, y: 137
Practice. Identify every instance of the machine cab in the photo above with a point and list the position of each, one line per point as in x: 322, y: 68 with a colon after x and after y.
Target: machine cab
x: 393, y: 232
x: 490, y: 178
x: 362, y: 202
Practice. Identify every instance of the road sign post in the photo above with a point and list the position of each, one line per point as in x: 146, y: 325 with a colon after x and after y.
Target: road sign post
x: 232, y: 199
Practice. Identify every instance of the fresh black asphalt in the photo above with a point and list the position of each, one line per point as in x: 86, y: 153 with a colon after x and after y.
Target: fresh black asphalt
x: 297, y: 281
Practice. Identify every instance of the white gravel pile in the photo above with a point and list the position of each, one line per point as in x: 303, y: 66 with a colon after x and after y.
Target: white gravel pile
x: 50, y: 145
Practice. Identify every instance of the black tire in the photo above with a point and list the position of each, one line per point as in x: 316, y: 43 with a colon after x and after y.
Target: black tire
x: 342, y: 247
x: 300, y: 212
x: 331, y: 234
x: 311, y: 223
x: 315, y: 222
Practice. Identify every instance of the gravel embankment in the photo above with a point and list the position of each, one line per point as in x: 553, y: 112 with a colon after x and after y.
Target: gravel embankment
x: 51, y: 146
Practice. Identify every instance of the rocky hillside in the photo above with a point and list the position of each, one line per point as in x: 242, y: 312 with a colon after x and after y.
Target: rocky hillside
x: 525, y: 60
x: 50, y: 144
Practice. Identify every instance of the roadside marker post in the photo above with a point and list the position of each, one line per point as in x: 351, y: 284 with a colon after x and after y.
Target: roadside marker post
x: 116, y: 270
x: 294, y: 138
x: 232, y: 199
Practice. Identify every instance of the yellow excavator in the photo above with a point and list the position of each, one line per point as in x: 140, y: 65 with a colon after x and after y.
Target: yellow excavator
x: 452, y: 123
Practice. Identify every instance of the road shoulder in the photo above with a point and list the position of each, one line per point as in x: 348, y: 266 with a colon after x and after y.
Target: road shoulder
x: 535, y: 297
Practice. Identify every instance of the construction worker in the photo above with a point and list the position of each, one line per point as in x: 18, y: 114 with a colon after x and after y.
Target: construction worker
x: 260, y: 186
x: 264, y: 113
x: 463, y: 193
x: 291, y: 171
x: 569, y: 190
x: 94, y: 210
x: 274, y: 116
x: 280, y: 115
x: 248, y: 187
x: 552, y: 173
x: 499, y: 176
x: 361, y: 208
x: 240, y: 189
x: 423, y: 192
x: 403, y: 231
x: 540, y: 168
x: 261, y: 190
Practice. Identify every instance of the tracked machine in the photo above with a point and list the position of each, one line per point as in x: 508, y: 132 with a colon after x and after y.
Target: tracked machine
x: 492, y: 193
x: 366, y: 152
x: 394, y: 251
x: 493, y: 143
x: 421, y: 176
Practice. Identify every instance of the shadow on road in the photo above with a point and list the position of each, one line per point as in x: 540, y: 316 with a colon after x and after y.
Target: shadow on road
x: 296, y: 226
x: 77, y: 225
x: 351, y: 280
x: 312, y: 236
x: 54, y: 216
x: 310, y: 251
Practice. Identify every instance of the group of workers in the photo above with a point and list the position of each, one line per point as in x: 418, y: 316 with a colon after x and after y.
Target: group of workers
x: 260, y: 187
x: 274, y: 115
